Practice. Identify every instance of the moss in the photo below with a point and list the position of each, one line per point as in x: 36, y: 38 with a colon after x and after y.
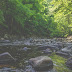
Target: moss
x: 59, y: 63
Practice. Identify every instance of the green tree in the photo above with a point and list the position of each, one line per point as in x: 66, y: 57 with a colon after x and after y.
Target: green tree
x: 27, y: 17
x: 62, y: 11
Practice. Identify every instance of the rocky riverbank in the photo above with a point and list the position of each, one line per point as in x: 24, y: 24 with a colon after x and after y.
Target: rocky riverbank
x: 24, y: 49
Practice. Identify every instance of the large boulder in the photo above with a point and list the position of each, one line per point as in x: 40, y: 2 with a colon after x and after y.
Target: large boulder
x: 69, y: 63
x: 41, y: 63
x: 6, y: 58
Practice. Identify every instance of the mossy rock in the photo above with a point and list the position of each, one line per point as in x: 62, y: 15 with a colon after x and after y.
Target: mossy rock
x: 59, y: 63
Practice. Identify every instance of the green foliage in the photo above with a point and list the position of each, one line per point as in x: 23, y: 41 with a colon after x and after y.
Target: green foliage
x: 2, y: 20
x: 62, y: 11
x: 1, y: 17
x: 59, y: 63
x: 36, y: 17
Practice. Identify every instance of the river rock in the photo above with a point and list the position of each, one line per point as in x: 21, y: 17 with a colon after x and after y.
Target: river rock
x: 69, y: 63
x: 4, y: 41
x: 26, y: 49
x: 41, y: 63
x: 51, y: 47
x: 63, y: 54
x: 58, y: 44
x: 67, y: 49
x: 47, y: 51
x: 6, y: 58
x: 29, y: 69
x: 5, y: 69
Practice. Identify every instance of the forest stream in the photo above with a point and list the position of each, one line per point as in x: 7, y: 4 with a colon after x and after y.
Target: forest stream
x: 20, y: 51
x: 35, y: 35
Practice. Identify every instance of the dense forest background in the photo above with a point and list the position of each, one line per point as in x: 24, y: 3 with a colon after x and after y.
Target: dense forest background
x: 47, y: 18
